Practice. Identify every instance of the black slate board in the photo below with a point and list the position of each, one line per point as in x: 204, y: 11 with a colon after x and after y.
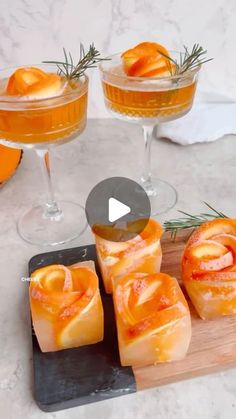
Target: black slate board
x: 92, y: 373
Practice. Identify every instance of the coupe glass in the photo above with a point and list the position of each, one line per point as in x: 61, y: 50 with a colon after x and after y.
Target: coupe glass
x: 148, y: 102
x: 40, y: 124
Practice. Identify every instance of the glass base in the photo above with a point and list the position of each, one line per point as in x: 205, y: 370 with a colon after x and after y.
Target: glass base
x: 36, y: 228
x: 162, y: 196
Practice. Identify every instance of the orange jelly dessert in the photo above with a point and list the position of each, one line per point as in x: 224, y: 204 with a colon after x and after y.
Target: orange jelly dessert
x: 209, y: 268
x: 152, y: 318
x: 140, y: 84
x: 139, y: 254
x: 66, y: 306
x: 40, y: 107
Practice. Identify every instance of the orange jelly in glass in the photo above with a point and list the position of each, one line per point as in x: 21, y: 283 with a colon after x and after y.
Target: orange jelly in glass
x: 142, y: 83
x: 39, y: 106
x: 133, y: 101
x: 139, y: 254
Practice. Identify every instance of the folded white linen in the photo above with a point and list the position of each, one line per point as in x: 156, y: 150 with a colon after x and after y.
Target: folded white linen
x: 205, y: 122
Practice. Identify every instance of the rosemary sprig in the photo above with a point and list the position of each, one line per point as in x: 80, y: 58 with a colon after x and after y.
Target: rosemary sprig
x: 72, y: 70
x: 188, y: 61
x: 191, y: 221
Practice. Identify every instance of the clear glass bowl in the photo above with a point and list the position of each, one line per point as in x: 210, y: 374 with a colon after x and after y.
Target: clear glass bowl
x: 39, y: 124
x: 148, y: 101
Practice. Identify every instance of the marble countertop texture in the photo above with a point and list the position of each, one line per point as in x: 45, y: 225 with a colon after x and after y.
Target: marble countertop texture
x: 204, y: 172
x: 33, y: 31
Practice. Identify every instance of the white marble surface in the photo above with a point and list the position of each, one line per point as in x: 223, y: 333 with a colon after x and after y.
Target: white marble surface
x: 36, y: 30
x: 106, y: 148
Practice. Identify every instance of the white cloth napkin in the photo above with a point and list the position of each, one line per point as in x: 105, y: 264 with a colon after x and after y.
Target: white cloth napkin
x: 205, y: 122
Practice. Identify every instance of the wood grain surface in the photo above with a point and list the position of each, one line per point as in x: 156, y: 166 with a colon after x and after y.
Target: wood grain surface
x: 213, y: 344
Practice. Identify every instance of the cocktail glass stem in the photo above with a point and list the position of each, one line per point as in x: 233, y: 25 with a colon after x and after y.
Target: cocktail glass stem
x: 146, y: 180
x: 162, y: 196
x: 53, y: 222
x: 52, y: 210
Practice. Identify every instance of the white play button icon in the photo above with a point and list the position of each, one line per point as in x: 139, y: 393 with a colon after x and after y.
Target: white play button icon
x: 117, y: 210
x: 117, y: 203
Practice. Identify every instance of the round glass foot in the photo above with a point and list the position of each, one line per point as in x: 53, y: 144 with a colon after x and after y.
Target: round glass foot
x: 36, y: 228
x: 162, y: 196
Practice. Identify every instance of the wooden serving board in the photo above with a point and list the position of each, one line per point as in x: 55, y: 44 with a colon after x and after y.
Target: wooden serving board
x: 92, y: 373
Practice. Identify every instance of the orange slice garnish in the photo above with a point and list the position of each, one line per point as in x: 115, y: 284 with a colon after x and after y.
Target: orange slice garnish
x: 212, y: 247
x: 209, y: 268
x: 32, y: 81
x: 148, y: 59
x: 140, y: 296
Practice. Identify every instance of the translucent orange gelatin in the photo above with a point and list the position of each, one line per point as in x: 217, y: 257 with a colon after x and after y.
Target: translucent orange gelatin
x: 153, y: 319
x: 209, y: 268
x: 141, y: 84
x: 66, y: 306
x: 39, y: 107
x: 162, y: 104
x: 140, y: 254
